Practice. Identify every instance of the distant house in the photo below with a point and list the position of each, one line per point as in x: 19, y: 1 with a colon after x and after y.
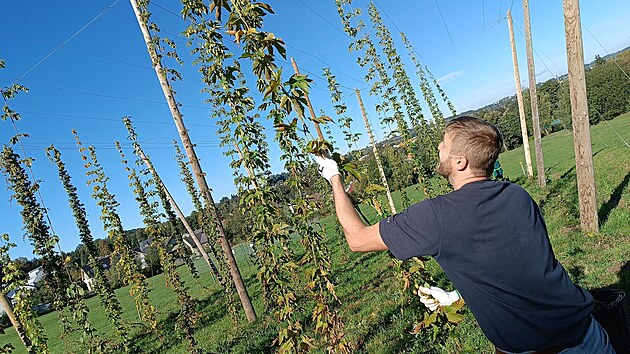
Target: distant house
x: 35, y: 276
x: 87, y: 273
x: 140, y: 252
x: 188, y: 241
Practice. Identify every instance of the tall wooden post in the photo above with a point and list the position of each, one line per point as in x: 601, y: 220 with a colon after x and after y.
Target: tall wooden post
x: 519, y: 98
x: 181, y: 216
x: 377, y: 157
x: 540, y: 163
x: 579, y: 116
x: 200, y: 176
x: 8, y: 309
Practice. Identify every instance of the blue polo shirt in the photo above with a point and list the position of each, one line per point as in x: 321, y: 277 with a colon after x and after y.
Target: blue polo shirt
x: 491, y: 240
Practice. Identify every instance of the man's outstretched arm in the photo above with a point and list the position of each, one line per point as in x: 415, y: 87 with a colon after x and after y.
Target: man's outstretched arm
x: 361, y: 238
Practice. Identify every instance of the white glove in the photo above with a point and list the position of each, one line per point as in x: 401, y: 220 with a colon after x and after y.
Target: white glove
x: 433, y: 297
x: 327, y: 167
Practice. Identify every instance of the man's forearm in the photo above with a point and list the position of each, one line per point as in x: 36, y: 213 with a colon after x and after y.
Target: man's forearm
x: 361, y: 238
x: 346, y: 213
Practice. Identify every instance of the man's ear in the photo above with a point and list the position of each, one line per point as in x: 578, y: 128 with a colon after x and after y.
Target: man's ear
x: 461, y: 162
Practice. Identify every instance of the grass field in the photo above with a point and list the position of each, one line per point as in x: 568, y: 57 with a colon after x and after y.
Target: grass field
x: 370, y: 293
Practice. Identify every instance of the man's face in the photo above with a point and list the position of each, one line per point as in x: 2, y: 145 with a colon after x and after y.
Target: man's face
x: 445, y: 168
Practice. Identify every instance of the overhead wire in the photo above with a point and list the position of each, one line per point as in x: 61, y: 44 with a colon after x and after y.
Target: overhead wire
x: 327, y: 64
x: 38, y: 191
x: 44, y: 209
x: 500, y: 3
x: 444, y: 21
x: 111, y: 119
x: 483, y: 15
x: 323, y: 18
x: 293, y: 47
x: 76, y: 50
x: 536, y: 52
x: 66, y: 41
x: 106, y: 96
x: 605, y: 51
x: 597, y: 112
x: 396, y: 26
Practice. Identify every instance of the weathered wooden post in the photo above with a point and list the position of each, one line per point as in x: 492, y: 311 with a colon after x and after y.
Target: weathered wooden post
x: 519, y: 98
x: 200, y: 176
x: 579, y: 115
x: 531, y: 71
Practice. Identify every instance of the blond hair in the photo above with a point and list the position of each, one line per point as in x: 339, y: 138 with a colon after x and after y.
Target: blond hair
x: 477, y: 140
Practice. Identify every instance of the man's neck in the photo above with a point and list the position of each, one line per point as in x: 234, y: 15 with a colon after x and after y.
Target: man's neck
x: 460, y: 182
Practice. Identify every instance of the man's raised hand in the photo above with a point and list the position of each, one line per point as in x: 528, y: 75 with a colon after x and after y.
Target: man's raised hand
x: 327, y: 167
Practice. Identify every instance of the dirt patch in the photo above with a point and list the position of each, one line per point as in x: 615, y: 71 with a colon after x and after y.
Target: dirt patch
x: 569, y: 229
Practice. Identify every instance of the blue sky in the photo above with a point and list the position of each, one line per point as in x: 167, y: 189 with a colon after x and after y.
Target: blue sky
x: 86, y: 68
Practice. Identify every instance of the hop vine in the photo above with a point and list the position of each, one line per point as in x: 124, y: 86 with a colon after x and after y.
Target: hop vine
x: 122, y: 253
x: 245, y: 137
x: 187, y: 316
x: 103, y: 289
x: 183, y: 252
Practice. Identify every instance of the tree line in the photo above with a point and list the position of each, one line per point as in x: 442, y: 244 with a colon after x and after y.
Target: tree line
x: 608, y: 97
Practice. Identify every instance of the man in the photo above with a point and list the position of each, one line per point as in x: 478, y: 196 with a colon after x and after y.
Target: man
x: 491, y: 240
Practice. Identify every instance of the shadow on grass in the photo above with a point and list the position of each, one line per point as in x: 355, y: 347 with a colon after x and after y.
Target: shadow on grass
x: 613, y: 202
x: 560, y: 187
x: 623, y: 281
x: 624, y: 277
x: 576, y: 272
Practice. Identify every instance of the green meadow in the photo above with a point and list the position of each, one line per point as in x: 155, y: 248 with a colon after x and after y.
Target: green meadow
x: 376, y: 313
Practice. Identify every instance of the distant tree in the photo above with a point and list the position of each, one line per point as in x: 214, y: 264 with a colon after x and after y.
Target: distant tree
x: 152, y: 260
x: 104, y: 247
x: 607, y: 89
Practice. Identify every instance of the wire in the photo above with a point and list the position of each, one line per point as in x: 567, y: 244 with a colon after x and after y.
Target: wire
x: 323, y: 18
x: 75, y: 50
x: 67, y: 40
x: 167, y: 10
x: 44, y: 209
x: 534, y: 50
x: 611, y: 127
x: 106, y: 96
x: 500, y: 2
x: 300, y: 50
x: 600, y: 44
x: 396, y: 26
x: 133, y: 19
x: 111, y: 119
x: 483, y: 15
x: 93, y: 54
x: 327, y: 64
x: 443, y: 20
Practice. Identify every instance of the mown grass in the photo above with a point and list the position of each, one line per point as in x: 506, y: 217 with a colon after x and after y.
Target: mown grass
x: 377, y: 318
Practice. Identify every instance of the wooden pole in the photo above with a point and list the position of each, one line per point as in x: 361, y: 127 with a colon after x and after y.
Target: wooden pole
x: 8, y: 309
x: 579, y: 115
x: 540, y: 163
x: 519, y: 97
x: 377, y: 157
x: 181, y: 216
x: 194, y: 163
x: 310, y: 106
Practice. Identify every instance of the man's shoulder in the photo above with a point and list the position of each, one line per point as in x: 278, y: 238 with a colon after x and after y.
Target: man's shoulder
x: 495, y: 190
